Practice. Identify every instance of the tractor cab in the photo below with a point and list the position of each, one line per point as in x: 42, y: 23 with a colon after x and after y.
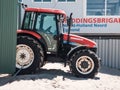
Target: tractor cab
x: 47, y: 23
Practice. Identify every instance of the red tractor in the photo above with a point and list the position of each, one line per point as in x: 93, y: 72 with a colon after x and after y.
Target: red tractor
x: 42, y: 38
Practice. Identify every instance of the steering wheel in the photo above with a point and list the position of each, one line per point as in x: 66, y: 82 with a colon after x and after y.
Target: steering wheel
x: 48, y: 30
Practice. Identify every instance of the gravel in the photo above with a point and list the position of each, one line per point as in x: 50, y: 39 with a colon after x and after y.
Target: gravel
x: 54, y: 76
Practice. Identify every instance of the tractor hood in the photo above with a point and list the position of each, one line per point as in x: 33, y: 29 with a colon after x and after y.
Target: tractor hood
x: 78, y: 40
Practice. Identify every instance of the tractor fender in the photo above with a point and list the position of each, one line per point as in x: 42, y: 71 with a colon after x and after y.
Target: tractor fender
x: 75, y: 49
x: 34, y: 34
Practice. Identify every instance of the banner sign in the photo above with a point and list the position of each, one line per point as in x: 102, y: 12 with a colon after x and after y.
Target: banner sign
x: 95, y: 25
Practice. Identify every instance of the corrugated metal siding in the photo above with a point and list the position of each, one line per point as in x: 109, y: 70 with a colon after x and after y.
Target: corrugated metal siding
x: 8, y: 26
x: 109, y: 51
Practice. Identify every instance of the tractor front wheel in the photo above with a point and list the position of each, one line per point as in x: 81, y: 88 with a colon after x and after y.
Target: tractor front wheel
x: 84, y: 64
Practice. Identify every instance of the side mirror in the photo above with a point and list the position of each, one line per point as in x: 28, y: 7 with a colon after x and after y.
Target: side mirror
x: 69, y: 20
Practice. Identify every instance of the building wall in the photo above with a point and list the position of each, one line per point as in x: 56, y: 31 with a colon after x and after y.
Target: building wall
x: 8, y: 26
x: 85, y: 11
x: 108, y: 50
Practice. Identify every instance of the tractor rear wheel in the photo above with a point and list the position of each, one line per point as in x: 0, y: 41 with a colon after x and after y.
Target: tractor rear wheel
x: 29, y: 55
x: 84, y: 64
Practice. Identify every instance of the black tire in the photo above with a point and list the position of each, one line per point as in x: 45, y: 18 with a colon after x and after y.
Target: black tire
x: 85, y: 64
x: 29, y: 55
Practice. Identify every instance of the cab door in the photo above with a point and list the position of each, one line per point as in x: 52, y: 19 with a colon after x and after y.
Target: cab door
x: 46, y: 26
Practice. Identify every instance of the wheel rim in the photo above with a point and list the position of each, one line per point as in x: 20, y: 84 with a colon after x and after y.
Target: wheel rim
x: 24, y: 56
x: 84, y: 65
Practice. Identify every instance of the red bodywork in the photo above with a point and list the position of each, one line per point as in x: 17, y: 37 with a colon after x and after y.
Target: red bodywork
x: 79, y: 40
x: 29, y: 32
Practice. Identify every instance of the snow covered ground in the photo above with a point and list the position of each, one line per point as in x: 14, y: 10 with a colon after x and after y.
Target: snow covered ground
x: 54, y: 76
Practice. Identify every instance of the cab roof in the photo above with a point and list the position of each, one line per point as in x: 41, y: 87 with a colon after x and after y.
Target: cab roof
x: 46, y: 10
